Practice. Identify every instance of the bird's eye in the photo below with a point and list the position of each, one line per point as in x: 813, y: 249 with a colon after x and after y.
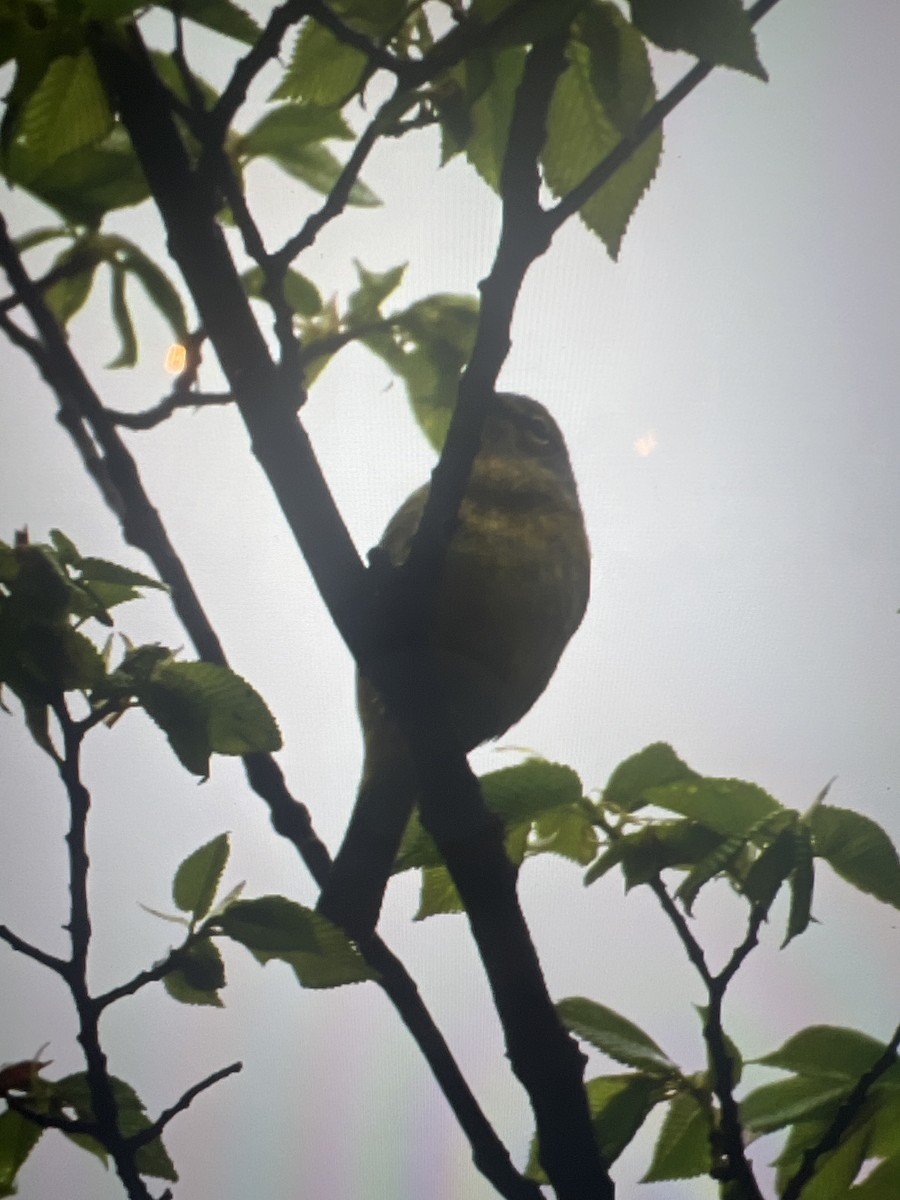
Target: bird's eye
x: 538, y: 431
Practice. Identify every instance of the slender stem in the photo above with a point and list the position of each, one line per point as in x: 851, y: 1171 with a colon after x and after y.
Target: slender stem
x: 842, y: 1119
x: 103, y: 1099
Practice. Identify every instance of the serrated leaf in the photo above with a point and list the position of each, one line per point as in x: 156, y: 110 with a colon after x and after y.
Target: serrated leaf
x: 65, y: 548
x: 619, y: 1105
x: 18, y: 1137
x: 335, y: 961
x: 222, y: 16
x: 830, y: 1052
x: 530, y: 788
x: 567, y: 831
x: 580, y: 134
x: 270, y: 926
x: 615, y: 1035
x: 197, y: 878
x: 178, y: 987
x: 322, y: 70
x: 85, y: 184
x: 438, y: 894
x: 68, y: 109
x: 282, y: 130
x: 202, y: 968
x: 727, y: 806
x: 858, y: 849
x: 152, y: 1159
x: 719, y: 861
x: 802, y: 883
x: 715, y: 31
x: 98, y: 570
x: 682, y: 1148
x: 316, y: 166
x: 801, y: 1098
x: 771, y: 869
x: 204, y: 709
x: 619, y: 68
x: 652, y: 767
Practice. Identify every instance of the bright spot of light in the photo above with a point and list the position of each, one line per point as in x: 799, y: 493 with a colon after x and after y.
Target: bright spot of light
x: 176, y: 357
x: 646, y: 443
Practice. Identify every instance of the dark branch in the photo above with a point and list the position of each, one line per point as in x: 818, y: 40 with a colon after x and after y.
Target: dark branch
x: 160, y: 412
x: 152, y: 1132
x: 649, y: 123
x: 842, y: 1120
x: 59, y: 965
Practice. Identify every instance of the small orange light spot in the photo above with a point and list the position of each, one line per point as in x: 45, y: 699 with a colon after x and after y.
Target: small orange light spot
x: 646, y: 444
x: 176, y: 357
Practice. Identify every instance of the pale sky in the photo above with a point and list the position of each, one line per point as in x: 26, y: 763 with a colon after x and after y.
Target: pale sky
x: 728, y: 392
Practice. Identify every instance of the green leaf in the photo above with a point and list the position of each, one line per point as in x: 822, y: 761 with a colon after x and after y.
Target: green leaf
x: 716, y: 31
x: 65, y: 548
x: 801, y: 1098
x: 201, y: 967
x: 488, y: 84
x: 858, y: 850
x: 880, y: 1184
x: 802, y: 882
x: 74, y: 1091
x: 533, y: 787
x: 652, y: 767
x: 682, y: 1148
x: 99, y: 570
x: 85, y: 184
x: 222, y: 16
x: 160, y: 290
x: 197, y: 879
x: 836, y: 1171
x: 364, y: 304
x: 301, y: 293
x: 438, y: 894
x: 830, y: 1052
x: 271, y: 926
x: 567, y: 831
x: 727, y: 806
x: 615, y: 1035
x: 128, y: 343
x: 620, y: 72
x: 18, y: 1137
x: 178, y: 985
x: 68, y: 295
x: 619, y: 1105
x: 770, y: 870
x: 317, y: 167
x: 334, y: 962
x: 580, y: 134
x: 280, y: 132
x: 68, y: 110
x: 205, y: 709
x: 322, y: 70
x: 720, y: 861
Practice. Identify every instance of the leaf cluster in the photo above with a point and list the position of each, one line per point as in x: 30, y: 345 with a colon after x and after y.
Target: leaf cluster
x: 47, y: 594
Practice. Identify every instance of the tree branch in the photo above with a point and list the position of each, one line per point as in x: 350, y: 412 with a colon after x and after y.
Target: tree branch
x: 842, y: 1120
x: 59, y: 965
x: 630, y: 142
x: 116, y: 475
x: 152, y: 1132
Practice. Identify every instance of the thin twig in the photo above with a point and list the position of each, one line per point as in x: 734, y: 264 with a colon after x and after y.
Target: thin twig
x: 652, y: 120
x: 143, y: 1136
x: 151, y: 417
x: 59, y: 965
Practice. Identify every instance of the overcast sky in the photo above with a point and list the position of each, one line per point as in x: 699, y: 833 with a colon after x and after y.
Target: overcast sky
x: 746, y: 581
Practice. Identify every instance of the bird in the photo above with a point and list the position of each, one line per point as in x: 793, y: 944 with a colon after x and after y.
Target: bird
x: 514, y: 588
